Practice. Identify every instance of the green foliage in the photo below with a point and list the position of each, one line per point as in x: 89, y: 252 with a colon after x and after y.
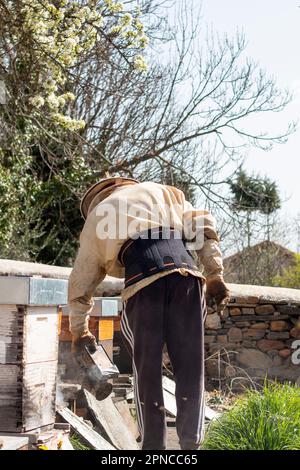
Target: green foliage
x: 39, y: 216
x: 267, y: 420
x: 254, y: 194
x: 55, y: 37
x: 43, y: 169
x: 77, y: 443
x: 291, y: 276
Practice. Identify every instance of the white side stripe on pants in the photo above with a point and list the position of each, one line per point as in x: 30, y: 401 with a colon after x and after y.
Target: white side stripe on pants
x: 129, y: 340
x: 201, y: 419
x: 129, y: 336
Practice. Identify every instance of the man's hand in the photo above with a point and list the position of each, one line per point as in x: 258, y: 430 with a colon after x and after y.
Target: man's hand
x: 78, y: 345
x: 217, y: 293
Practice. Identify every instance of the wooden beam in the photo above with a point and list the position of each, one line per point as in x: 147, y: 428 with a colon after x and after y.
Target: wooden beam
x: 108, y: 419
x: 91, y: 437
x: 124, y: 410
x: 170, y: 402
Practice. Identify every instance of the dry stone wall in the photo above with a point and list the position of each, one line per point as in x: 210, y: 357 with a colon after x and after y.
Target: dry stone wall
x: 258, y: 335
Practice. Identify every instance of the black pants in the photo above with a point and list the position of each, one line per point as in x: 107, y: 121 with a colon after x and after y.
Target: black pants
x: 171, y: 310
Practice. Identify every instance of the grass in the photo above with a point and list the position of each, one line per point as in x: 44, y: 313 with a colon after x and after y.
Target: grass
x: 77, y: 443
x: 266, y: 420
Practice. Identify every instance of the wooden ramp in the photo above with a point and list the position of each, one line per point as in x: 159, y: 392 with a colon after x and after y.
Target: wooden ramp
x: 109, y: 421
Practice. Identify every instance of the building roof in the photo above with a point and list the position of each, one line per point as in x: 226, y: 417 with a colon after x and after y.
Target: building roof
x: 258, y: 260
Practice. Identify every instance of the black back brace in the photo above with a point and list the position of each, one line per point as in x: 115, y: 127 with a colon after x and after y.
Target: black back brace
x: 154, y: 250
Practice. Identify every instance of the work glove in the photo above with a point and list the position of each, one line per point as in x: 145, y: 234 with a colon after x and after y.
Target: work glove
x: 217, y: 293
x: 79, y: 343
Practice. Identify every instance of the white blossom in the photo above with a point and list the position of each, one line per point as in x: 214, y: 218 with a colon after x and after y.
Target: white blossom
x: 37, y: 101
x: 140, y: 63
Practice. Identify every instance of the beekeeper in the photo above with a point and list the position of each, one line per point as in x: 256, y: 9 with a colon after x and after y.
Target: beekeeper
x: 145, y: 232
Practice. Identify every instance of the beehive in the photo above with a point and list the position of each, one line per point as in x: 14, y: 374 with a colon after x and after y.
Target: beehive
x: 28, y: 351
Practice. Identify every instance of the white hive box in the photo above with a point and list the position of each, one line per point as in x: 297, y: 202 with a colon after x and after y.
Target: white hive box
x: 28, y: 350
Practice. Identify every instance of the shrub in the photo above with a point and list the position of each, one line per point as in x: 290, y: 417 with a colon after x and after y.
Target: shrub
x: 266, y: 420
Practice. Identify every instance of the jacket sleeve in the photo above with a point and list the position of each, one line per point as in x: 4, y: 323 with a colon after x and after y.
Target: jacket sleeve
x: 87, y: 273
x: 200, y: 229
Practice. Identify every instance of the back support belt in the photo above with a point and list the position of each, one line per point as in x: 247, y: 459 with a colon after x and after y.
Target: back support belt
x: 153, y: 251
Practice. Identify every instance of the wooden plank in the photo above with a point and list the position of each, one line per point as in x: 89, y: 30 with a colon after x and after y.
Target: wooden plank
x: 169, y: 395
x: 170, y: 404
x: 110, y: 422
x: 169, y: 384
x: 39, y: 391
x: 40, y: 334
x: 123, y: 409
x: 91, y: 437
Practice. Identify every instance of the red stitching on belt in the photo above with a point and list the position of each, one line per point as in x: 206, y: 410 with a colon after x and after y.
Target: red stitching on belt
x: 151, y: 269
x: 133, y: 277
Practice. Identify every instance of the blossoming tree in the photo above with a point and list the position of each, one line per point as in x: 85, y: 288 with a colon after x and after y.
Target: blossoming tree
x: 44, y: 40
x: 42, y: 45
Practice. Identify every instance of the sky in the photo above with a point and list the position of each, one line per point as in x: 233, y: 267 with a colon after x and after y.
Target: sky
x: 272, y: 31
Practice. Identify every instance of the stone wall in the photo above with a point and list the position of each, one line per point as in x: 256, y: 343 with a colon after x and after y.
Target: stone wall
x: 257, y: 336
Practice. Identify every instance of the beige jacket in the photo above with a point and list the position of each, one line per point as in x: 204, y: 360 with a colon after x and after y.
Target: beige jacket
x: 128, y: 210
